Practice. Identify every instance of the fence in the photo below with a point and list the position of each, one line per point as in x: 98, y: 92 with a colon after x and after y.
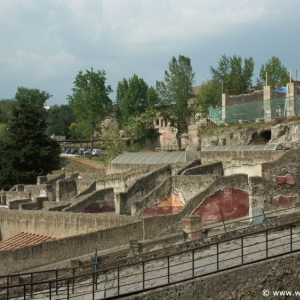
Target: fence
x: 256, y: 111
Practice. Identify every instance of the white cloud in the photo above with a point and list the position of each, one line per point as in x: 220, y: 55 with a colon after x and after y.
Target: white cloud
x: 48, y: 40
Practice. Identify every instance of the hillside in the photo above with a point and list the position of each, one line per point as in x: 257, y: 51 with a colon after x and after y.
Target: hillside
x: 286, y: 132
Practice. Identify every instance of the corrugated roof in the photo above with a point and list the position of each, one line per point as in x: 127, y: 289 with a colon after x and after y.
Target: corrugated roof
x: 244, y: 148
x: 155, y: 157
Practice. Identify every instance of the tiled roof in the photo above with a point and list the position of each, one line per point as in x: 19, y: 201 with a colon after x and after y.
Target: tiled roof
x: 23, y: 239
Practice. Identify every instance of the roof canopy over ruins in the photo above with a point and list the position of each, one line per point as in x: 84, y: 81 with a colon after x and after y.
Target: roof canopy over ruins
x: 155, y: 157
x: 244, y: 147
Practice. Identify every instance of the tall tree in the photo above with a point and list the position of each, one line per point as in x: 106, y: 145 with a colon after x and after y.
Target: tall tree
x: 141, y: 127
x: 26, y: 150
x: 35, y: 97
x: 233, y: 74
x: 273, y: 73
x: 133, y: 98
x: 5, y: 110
x: 90, y: 102
x: 210, y: 94
x: 59, y: 118
x: 174, y: 93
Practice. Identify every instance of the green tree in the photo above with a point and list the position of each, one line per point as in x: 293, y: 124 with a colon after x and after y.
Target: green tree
x: 26, y: 151
x: 35, y: 97
x: 5, y: 110
x: 174, y: 93
x: 133, y: 98
x: 274, y: 72
x: 234, y: 75
x: 90, y: 102
x: 141, y: 127
x: 210, y: 94
x: 58, y: 119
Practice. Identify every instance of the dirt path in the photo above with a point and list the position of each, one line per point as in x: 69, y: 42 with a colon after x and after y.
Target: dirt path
x: 88, y: 162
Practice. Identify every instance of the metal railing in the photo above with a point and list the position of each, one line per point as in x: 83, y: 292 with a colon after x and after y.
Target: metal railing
x: 157, y: 272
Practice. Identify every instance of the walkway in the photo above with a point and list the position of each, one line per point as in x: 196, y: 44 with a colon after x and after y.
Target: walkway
x: 143, y: 275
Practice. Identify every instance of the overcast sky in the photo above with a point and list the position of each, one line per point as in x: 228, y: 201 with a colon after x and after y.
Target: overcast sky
x: 44, y: 43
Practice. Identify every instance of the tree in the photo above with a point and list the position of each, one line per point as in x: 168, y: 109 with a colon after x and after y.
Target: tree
x: 174, y: 93
x: 35, y: 97
x: 133, y: 98
x: 210, y: 94
x: 59, y: 118
x: 5, y: 110
x: 26, y: 151
x: 141, y: 127
x: 273, y: 73
x: 90, y: 102
x: 233, y: 75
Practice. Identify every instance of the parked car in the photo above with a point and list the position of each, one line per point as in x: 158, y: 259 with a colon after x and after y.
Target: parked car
x: 87, y: 152
x: 74, y: 150
x: 81, y: 150
x: 96, y: 152
x: 68, y: 150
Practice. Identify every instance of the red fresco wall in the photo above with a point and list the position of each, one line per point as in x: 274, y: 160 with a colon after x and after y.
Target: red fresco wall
x: 284, y: 201
x: 232, y: 203
x: 169, y: 206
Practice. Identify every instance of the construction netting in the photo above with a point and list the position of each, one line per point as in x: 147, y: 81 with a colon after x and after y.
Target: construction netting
x: 256, y: 111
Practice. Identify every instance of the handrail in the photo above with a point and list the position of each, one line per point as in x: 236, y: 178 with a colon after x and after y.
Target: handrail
x: 179, y: 236
x: 72, y: 283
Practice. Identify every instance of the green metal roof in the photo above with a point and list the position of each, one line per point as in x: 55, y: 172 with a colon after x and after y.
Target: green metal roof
x: 244, y: 148
x: 153, y: 158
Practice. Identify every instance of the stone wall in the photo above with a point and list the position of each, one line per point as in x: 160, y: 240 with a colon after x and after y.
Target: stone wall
x: 100, y: 198
x: 14, y: 204
x: 171, y: 195
x: 42, y: 190
x: 66, y: 189
x: 22, y: 259
x: 189, y: 186
x: 195, y: 163
x: 84, y: 187
x: 239, y: 158
x: 170, y: 223
x: 56, y: 224
x: 247, y: 282
x: 162, y: 191
x: 12, y: 195
x: 139, y: 188
x: 122, y: 180
x: 212, y: 168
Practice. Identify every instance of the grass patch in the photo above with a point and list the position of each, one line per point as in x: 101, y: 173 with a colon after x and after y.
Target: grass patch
x: 69, y: 165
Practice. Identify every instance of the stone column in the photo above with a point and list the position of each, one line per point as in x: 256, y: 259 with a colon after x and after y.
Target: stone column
x: 256, y: 199
x: 120, y: 200
x: 192, y: 225
x: 224, y: 103
x: 267, y: 103
x: 290, y: 105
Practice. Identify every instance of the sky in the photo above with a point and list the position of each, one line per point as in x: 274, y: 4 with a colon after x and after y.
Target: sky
x: 45, y: 43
